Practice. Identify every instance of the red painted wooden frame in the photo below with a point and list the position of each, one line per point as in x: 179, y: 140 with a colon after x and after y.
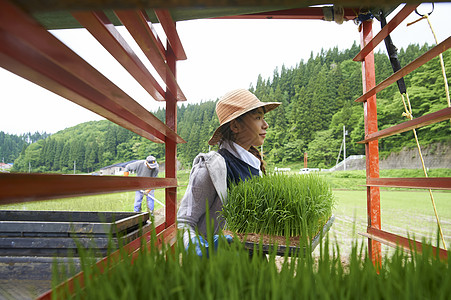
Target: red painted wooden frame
x: 394, y: 240
x: 374, y: 233
x: 138, y: 26
x: 397, y: 19
x: 16, y: 187
x: 437, y: 183
x: 432, y: 118
x: 371, y: 148
x: 308, y: 13
x: 30, y: 51
x: 98, y: 24
x: 434, y: 52
x: 168, y: 25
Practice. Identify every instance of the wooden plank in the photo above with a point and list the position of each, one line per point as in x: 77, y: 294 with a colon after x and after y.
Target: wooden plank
x: 371, y: 149
x: 98, y: 24
x: 397, y: 19
x: 440, y: 48
x: 439, y: 183
x: 306, y: 13
x: 166, y: 21
x: 394, y: 240
x: 136, y: 24
x: 171, y: 147
x: 16, y: 188
x: 30, y: 51
x: 438, y: 116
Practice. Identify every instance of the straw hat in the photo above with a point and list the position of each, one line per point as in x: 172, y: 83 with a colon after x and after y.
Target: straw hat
x: 234, y: 104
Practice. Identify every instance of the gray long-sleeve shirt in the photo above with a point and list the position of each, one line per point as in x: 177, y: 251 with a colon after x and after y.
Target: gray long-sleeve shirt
x: 141, y: 169
x: 207, y: 183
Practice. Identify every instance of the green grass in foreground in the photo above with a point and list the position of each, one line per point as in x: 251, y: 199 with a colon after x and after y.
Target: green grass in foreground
x: 229, y: 273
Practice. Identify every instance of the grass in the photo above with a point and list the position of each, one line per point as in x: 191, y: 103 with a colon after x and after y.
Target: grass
x: 229, y: 273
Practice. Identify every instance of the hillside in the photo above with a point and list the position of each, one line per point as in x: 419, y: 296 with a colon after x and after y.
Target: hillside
x: 317, y: 101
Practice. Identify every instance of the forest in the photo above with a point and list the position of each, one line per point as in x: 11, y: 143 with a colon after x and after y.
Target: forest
x: 317, y: 98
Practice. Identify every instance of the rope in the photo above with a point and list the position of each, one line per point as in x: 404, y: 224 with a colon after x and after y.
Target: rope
x: 442, y: 63
x: 392, y: 53
x: 408, y: 114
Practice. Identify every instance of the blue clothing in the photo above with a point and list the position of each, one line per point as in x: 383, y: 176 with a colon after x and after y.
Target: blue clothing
x: 142, y: 170
x: 139, y: 198
x: 237, y: 170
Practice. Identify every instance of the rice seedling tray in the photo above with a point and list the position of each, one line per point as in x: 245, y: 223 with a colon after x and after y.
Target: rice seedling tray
x: 56, y: 233
x: 267, y: 248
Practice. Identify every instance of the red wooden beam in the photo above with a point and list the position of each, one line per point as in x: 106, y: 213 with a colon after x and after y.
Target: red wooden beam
x: 397, y: 19
x: 371, y: 148
x: 440, y: 48
x: 438, y: 183
x: 308, y: 13
x: 28, y: 63
x: 168, y: 24
x: 438, y: 116
x: 16, y: 187
x: 171, y: 147
x: 394, y: 240
x: 136, y: 24
x: 30, y: 51
x: 157, y: 39
x: 98, y: 24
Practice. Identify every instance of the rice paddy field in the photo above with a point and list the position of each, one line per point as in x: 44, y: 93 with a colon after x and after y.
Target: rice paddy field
x: 407, y: 213
x: 404, y: 212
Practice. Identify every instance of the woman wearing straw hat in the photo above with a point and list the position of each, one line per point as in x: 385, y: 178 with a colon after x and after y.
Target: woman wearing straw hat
x: 242, y: 128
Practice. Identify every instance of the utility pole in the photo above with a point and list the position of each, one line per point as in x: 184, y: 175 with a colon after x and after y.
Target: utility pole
x: 29, y: 167
x: 344, y: 147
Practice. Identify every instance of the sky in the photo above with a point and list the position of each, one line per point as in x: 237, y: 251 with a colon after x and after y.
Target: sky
x: 222, y: 55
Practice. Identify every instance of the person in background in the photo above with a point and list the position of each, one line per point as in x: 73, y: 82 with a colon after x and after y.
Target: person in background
x: 144, y: 168
x: 242, y: 129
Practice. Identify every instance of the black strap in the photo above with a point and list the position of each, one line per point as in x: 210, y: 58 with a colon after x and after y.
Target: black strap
x: 393, y: 55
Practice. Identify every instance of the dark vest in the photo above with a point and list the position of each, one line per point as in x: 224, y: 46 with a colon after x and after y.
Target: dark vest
x: 237, y: 170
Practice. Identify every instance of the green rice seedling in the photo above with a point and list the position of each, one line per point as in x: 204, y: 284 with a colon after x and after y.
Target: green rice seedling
x: 279, y: 205
x: 174, y: 273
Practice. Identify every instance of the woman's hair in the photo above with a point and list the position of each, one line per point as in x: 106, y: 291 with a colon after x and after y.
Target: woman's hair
x: 228, y: 135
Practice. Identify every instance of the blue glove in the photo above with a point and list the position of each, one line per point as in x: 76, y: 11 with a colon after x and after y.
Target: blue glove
x: 200, y: 243
x: 216, y: 238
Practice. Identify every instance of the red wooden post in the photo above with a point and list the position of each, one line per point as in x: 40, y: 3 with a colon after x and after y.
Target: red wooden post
x: 171, y: 146
x: 371, y: 148
x: 305, y: 160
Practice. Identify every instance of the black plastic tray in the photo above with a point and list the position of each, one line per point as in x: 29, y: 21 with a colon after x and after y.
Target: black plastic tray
x: 292, y: 250
x: 56, y: 233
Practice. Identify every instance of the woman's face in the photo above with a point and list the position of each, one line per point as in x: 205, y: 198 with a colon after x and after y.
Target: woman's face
x: 250, y: 130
